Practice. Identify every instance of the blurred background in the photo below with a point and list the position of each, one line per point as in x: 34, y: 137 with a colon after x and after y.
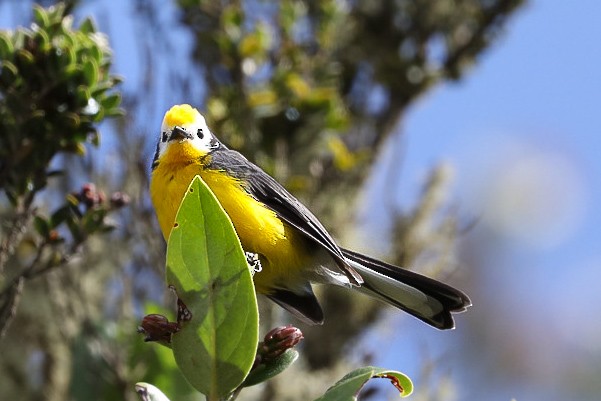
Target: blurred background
x: 457, y: 138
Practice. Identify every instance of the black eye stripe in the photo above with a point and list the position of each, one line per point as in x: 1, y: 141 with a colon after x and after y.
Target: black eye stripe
x: 200, y: 134
x: 164, y: 137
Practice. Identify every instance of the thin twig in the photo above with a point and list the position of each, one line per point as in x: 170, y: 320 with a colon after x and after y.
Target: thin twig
x: 13, y: 236
x: 12, y: 291
x: 9, y: 308
x: 27, y: 272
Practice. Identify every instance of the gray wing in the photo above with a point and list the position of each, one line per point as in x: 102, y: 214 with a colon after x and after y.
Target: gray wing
x: 271, y: 193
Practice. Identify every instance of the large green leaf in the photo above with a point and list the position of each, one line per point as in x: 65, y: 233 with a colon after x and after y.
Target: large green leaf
x: 349, y: 386
x: 206, y: 266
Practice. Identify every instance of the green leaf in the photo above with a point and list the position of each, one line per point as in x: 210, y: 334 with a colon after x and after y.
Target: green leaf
x: 43, y: 40
x: 25, y: 57
x: 8, y: 73
x: 91, y: 72
x: 94, y: 137
x: 273, y: 368
x: 206, y: 266
x: 42, y: 226
x: 61, y: 215
x: 93, y: 220
x: 40, y: 16
x: 111, y: 101
x: 83, y: 95
x: 6, y: 47
x: 349, y: 386
x: 88, y: 26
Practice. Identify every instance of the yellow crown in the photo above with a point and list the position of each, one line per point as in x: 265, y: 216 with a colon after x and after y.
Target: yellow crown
x: 181, y: 114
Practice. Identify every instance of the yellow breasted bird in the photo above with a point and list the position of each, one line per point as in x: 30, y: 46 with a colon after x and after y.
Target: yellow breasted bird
x: 293, y: 247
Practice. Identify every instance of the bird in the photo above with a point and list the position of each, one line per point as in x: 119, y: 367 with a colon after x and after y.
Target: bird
x: 293, y: 247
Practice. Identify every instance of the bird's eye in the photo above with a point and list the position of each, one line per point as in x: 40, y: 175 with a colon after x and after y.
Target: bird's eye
x: 200, y: 134
x: 164, y: 137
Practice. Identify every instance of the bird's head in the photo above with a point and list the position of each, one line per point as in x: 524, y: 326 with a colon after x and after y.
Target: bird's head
x: 184, y: 135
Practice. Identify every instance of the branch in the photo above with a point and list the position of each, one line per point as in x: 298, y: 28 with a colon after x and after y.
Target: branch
x: 471, y: 47
x: 9, y: 307
x: 10, y: 295
x: 15, y: 231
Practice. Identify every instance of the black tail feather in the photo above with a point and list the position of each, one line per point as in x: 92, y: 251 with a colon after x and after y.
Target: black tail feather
x: 427, y: 299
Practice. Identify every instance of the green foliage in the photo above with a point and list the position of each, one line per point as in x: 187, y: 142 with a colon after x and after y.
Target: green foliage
x: 300, y: 92
x: 83, y: 214
x: 329, y: 77
x: 267, y: 371
x: 215, y: 348
x: 347, y: 389
x: 55, y: 86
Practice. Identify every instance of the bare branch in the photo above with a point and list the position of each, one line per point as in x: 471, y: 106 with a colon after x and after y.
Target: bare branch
x: 9, y: 307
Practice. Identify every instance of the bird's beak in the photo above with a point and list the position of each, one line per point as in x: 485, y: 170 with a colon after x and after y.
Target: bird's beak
x: 179, y: 133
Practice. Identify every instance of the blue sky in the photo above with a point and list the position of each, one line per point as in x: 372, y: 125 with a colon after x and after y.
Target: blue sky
x: 539, y: 84
x: 530, y: 106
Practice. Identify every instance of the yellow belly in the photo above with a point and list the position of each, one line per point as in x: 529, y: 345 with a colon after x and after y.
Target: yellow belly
x: 282, y: 253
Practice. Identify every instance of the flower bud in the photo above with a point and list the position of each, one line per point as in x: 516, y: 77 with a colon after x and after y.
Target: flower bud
x: 278, y: 340
x: 119, y: 199
x: 158, y: 328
